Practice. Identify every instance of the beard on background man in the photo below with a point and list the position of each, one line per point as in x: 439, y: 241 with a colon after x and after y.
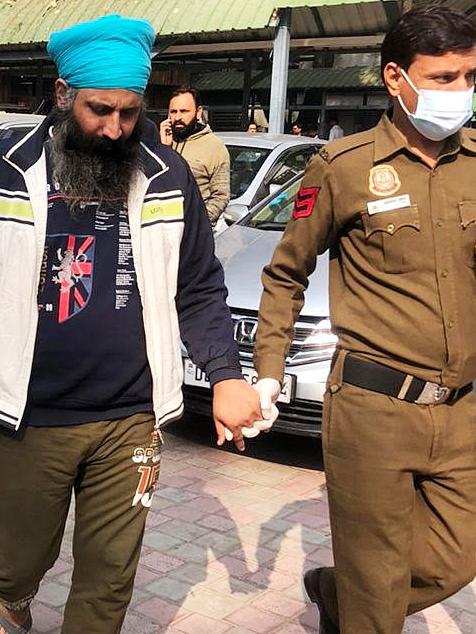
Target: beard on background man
x: 91, y: 168
x: 181, y: 131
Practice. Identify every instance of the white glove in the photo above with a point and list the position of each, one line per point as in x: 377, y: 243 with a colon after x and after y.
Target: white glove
x: 268, y: 390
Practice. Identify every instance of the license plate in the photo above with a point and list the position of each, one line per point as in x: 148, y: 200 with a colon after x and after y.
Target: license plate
x: 196, y: 377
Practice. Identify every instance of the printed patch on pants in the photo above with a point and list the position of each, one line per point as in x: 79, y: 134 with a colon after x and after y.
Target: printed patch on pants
x: 148, y: 459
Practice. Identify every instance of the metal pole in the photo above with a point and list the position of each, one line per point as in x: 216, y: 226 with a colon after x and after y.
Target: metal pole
x: 39, y: 87
x: 323, y: 115
x: 279, y: 75
x: 245, y: 104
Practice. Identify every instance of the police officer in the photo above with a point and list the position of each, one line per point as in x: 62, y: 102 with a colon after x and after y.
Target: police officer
x: 396, y: 206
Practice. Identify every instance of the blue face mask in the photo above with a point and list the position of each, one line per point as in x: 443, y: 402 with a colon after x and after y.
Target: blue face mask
x: 439, y: 113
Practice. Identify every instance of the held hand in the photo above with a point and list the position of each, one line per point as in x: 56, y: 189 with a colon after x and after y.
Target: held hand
x: 259, y: 425
x: 235, y: 405
x: 165, y: 129
x: 268, y: 390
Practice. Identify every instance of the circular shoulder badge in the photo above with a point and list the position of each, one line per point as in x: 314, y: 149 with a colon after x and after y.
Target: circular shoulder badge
x: 384, y: 180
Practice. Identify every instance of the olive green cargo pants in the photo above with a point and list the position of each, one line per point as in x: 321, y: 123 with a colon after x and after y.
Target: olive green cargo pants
x: 401, y: 481
x: 112, y: 467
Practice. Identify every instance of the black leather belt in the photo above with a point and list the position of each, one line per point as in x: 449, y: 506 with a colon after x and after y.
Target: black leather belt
x: 380, y: 378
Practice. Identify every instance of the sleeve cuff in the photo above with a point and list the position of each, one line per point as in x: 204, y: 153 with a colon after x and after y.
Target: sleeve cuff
x: 223, y: 374
x: 269, y: 366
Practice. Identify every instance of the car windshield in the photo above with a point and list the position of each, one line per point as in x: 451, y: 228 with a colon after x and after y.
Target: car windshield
x: 244, y: 165
x: 275, y: 214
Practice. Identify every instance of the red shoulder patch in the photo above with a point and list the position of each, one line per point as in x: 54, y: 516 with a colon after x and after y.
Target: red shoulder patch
x: 305, y: 201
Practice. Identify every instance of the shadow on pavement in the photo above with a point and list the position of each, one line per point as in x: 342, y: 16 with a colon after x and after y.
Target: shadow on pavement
x: 311, y: 517
x: 184, y: 564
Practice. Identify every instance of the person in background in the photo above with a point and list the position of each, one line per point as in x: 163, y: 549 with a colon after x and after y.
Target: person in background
x: 107, y: 264
x: 252, y: 128
x: 206, y: 154
x: 296, y: 129
x: 335, y: 132
x: 395, y: 206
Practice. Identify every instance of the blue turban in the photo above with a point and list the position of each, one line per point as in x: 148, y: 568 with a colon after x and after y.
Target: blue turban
x: 110, y: 52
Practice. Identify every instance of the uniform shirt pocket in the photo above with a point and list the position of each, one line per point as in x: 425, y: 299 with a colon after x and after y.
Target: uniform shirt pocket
x: 397, y: 233
x: 467, y: 214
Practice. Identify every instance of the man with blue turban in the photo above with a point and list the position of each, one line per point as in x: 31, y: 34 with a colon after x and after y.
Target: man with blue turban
x: 107, y: 262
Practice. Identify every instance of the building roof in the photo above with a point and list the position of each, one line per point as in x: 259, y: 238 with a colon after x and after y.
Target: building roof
x: 350, y: 77
x: 31, y: 21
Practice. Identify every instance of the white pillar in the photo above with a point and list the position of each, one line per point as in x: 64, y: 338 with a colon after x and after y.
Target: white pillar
x: 279, y: 75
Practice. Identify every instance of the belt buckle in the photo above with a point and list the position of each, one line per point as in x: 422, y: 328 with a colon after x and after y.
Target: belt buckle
x: 442, y: 394
x: 433, y: 394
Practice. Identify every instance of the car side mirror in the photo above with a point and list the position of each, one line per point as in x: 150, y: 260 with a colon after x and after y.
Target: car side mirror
x: 234, y: 212
x: 273, y: 188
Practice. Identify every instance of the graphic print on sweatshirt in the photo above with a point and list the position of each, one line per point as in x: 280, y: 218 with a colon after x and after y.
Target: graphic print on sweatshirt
x: 70, y: 259
x: 73, y: 273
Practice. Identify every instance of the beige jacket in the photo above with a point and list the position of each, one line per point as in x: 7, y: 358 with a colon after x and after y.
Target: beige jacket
x: 210, y: 164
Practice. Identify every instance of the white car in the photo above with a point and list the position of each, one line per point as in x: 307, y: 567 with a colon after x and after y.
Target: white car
x: 262, y: 163
x: 244, y: 249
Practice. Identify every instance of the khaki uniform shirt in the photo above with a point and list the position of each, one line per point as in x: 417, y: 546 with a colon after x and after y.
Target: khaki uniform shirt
x: 402, y: 239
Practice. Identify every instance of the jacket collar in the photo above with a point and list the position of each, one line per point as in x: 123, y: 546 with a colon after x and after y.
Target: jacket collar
x: 387, y: 139
x: 29, y: 148
x: 204, y: 131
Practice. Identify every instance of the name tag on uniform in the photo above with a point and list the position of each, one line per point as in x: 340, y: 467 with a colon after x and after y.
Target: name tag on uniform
x: 388, y: 204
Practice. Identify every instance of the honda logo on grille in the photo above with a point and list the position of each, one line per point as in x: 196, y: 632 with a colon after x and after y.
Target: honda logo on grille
x: 245, y: 331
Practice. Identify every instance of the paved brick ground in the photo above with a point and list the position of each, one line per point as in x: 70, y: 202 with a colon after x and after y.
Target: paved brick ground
x: 227, y: 541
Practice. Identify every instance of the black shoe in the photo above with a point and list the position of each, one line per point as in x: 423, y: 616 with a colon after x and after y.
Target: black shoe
x: 313, y: 590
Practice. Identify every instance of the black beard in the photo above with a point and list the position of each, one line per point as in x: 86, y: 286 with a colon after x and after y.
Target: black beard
x: 88, y: 167
x: 180, y: 134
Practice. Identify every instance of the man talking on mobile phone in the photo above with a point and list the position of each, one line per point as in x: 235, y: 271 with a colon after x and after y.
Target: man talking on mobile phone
x: 205, y: 153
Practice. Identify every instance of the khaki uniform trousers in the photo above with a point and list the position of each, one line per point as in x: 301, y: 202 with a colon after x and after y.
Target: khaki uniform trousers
x: 401, y: 480
x: 112, y: 467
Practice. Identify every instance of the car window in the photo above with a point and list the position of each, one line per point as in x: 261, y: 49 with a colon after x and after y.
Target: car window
x: 295, y: 161
x: 289, y: 164
x: 276, y: 213
x: 245, y: 163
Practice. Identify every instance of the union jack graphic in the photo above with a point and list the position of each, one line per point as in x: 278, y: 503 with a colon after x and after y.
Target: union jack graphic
x: 74, y: 274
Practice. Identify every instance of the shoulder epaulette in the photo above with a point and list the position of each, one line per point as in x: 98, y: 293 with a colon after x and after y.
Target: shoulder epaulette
x: 345, y: 144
